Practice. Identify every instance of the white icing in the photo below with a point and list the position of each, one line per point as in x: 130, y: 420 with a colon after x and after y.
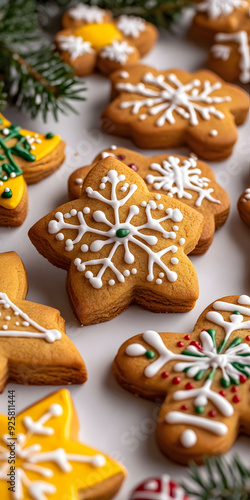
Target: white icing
x: 176, y: 417
x: 188, y: 438
x: 136, y: 234
x: 241, y: 38
x: 246, y: 198
x: 32, y: 456
x: 236, y: 320
x: 213, y: 133
x: 170, y: 95
x: 219, y: 8
x: 117, y: 52
x: 131, y: 25
x: 221, y: 51
x: 74, y: 45
x: 79, y: 180
x: 159, y: 488
x: 174, y: 177
x: 124, y: 74
x: 42, y: 333
x: 90, y: 14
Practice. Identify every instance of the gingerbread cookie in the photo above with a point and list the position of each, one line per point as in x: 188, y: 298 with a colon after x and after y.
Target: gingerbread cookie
x: 230, y: 56
x: 214, y: 16
x: 244, y: 206
x: 186, y: 179
x: 121, y: 244
x: 34, y: 346
x: 167, y: 109
x: 203, y: 377
x: 93, y: 39
x: 50, y: 463
x: 158, y: 488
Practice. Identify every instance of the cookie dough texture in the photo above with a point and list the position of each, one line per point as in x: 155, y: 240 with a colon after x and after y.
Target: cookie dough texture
x: 104, y: 278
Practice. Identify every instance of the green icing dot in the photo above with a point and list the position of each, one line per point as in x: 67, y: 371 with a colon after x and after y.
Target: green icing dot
x: 236, y: 312
x: 150, y: 354
x: 122, y: 233
x: 224, y: 382
x: 7, y: 194
x: 199, y: 409
x: 50, y: 135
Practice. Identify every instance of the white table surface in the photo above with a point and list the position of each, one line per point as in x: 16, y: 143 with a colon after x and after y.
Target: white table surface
x: 112, y: 419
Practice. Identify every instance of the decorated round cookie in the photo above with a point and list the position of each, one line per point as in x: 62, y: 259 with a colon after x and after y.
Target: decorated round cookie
x: 186, y: 179
x: 122, y: 244
x: 34, y: 346
x: 50, y: 462
x: 214, y: 16
x: 93, y: 39
x: 167, y: 109
x: 159, y: 488
x: 203, y: 378
x: 244, y: 206
x: 230, y: 56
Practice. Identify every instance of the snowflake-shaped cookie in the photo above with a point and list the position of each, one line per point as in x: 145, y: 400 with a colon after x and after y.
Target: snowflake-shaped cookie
x: 33, y: 344
x: 95, y: 39
x: 165, y: 109
x: 119, y: 238
x: 187, y: 179
x: 204, y: 375
x: 50, y: 463
x: 244, y: 206
x: 230, y: 56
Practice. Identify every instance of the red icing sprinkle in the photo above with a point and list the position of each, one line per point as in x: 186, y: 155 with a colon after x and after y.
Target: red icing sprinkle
x: 121, y: 157
x: 236, y: 398
x: 176, y: 380
x: 196, y: 344
x: 180, y: 344
x: 187, y: 337
x: 184, y: 407
x: 133, y: 166
x: 212, y: 413
x: 223, y: 393
x: 189, y: 386
x: 243, y: 379
x: 165, y: 374
x: 234, y: 389
x: 248, y: 337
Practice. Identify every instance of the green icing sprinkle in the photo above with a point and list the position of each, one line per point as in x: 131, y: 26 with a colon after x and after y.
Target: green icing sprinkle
x: 199, y: 409
x: 236, y: 312
x: 150, y: 354
x: 50, y: 135
x: 122, y: 232
x: 7, y: 194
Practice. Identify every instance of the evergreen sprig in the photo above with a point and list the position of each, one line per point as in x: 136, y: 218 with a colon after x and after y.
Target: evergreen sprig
x: 220, y: 480
x: 3, y: 97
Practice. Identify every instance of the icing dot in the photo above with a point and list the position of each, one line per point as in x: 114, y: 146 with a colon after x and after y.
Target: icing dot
x: 165, y: 374
x: 126, y: 272
x: 176, y: 228
x: 158, y: 281
x: 121, y: 157
x: 143, y: 204
x: 134, y: 270
x: 25, y: 323
x: 111, y: 282
x: 78, y: 180
x: 187, y: 337
x: 157, y: 196
x: 73, y: 212
x: 16, y: 313
x: 189, y: 386
x: 88, y: 274
x: 150, y: 354
x: 182, y: 241
x: 174, y: 260
x: 188, y: 438
x: 86, y: 210
x: 223, y: 393
x: 98, y: 461
x: 213, y: 133
x: 113, y: 147
x: 161, y: 275
x: 235, y: 389
x: 199, y: 409
x: 56, y: 410
x: 160, y: 207
x: 17, y: 323
x: 7, y: 318
x: 4, y: 327
x: 84, y: 248
x: 124, y: 74
x: 60, y: 236
x: 243, y: 379
x: 176, y: 380
x: 212, y: 413
x: 134, y: 167
x: 102, y: 185
x: 142, y: 117
x: 248, y: 338
x: 6, y: 306
x: 236, y: 398
x: 12, y: 175
x: 180, y: 344
x: 184, y: 407
x: 67, y: 216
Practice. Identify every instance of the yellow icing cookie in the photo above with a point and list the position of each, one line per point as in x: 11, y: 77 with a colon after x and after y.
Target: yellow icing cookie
x: 99, y: 35
x: 16, y: 187
x: 49, y: 464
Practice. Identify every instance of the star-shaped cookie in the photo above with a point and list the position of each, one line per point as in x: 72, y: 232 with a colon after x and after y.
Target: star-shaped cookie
x: 186, y: 179
x: 50, y: 463
x: 93, y: 39
x: 203, y: 378
x: 167, y: 109
x: 34, y: 347
x: 121, y: 244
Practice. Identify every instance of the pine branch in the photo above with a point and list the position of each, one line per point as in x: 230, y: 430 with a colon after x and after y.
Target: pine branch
x: 3, y: 97
x: 220, y: 480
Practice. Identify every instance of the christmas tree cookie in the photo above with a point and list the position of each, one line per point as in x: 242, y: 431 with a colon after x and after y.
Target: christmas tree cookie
x: 186, y: 179
x: 203, y: 378
x: 33, y: 344
x: 167, y: 109
x: 244, y: 206
x: 122, y: 244
x: 214, y: 16
x: 93, y: 39
x: 50, y: 462
x: 230, y: 56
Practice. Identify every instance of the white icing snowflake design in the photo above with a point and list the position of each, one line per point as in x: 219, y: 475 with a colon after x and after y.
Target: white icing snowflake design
x: 90, y: 14
x: 120, y: 233
x: 131, y: 25
x: 174, y: 178
x: 218, y: 8
x: 117, y: 52
x: 187, y: 100
x: 31, y: 458
x: 75, y: 45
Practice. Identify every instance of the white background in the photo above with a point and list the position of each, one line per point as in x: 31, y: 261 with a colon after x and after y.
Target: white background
x: 112, y: 419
